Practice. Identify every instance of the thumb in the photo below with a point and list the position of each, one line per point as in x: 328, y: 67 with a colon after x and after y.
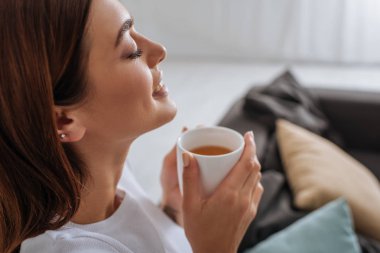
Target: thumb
x: 173, y: 151
x: 191, y: 180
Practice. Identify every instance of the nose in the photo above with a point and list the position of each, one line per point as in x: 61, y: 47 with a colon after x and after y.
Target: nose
x: 156, y: 53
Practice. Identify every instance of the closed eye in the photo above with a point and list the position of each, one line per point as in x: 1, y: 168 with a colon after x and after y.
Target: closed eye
x: 136, y: 54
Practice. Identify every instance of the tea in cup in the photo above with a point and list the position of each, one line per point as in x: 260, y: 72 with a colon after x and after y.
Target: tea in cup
x: 216, y: 149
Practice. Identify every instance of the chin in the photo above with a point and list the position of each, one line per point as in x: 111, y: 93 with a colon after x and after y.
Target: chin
x: 168, y: 113
x: 163, y: 115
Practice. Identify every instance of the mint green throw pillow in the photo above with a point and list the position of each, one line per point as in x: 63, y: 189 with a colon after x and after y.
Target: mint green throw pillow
x: 326, y: 230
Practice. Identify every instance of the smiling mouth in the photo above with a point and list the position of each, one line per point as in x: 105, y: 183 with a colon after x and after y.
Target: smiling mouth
x: 158, y: 87
x: 160, y: 91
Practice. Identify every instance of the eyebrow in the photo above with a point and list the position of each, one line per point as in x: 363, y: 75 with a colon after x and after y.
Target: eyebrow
x: 123, y: 29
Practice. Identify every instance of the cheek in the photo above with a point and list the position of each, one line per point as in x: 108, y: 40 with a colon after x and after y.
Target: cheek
x: 134, y: 91
x: 132, y: 81
x: 127, y: 94
x: 123, y: 102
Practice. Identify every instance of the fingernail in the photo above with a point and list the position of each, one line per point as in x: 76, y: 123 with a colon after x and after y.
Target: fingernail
x: 185, y: 159
x: 250, y: 133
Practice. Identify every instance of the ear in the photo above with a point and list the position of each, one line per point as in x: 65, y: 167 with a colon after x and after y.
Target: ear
x: 69, y: 127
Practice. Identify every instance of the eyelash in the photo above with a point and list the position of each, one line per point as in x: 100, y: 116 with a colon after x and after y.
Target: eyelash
x: 136, y: 54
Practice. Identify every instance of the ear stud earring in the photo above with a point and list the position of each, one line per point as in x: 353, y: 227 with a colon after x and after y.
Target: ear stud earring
x: 62, y: 136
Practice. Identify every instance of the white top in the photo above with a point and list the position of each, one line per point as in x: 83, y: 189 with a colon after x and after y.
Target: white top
x: 137, y: 226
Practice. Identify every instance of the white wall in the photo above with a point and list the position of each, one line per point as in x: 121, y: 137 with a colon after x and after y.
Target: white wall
x: 337, y: 31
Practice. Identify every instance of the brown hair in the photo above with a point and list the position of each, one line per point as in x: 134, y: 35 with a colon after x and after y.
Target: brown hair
x: 43, y: 59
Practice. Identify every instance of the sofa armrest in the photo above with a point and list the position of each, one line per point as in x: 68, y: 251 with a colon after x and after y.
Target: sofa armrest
x: 354, y: 114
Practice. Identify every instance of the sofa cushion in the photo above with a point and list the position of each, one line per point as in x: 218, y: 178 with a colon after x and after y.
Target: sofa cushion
x: 318, y: 172
x: 328, y: 230
x: 369, y: 159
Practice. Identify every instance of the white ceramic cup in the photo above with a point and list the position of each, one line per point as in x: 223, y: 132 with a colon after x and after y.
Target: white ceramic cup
x: 212, y: 168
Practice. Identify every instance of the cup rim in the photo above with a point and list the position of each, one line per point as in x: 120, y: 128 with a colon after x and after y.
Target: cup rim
x: 239, y: 135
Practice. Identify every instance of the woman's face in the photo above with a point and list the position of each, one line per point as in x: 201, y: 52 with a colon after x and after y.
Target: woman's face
x: 126, y: 93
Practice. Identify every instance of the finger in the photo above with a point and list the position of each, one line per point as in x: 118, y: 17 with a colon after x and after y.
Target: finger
x: 183, y: 130
x: 245, y: 166
x: 255, y: 201
x: 255, y: 174
x: 173, y: 151
x: 257, y: 193
x: 170, y: 158
x: 191, y: 181
x: 247, y: 186
x: 251, y: 183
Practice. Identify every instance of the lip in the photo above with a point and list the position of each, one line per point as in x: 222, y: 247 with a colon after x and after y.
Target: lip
x: 160, y: 90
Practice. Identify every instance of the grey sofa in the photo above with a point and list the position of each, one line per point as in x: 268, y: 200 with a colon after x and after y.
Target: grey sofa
x: 353, y: 123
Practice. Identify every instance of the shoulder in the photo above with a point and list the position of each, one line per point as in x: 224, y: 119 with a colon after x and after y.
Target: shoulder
x: 72, y: 240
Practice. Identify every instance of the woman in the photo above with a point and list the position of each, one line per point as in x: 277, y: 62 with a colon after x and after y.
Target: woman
x: 77, y: 85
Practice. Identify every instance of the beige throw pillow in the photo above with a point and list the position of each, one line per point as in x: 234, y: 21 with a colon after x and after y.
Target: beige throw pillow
x: 319, y: 171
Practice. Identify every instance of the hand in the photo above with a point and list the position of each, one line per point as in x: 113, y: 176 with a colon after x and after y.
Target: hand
x: 217, y: 223
x: 172, y: 197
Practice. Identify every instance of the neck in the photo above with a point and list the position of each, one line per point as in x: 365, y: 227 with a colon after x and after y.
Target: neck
x: 104, y: 162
